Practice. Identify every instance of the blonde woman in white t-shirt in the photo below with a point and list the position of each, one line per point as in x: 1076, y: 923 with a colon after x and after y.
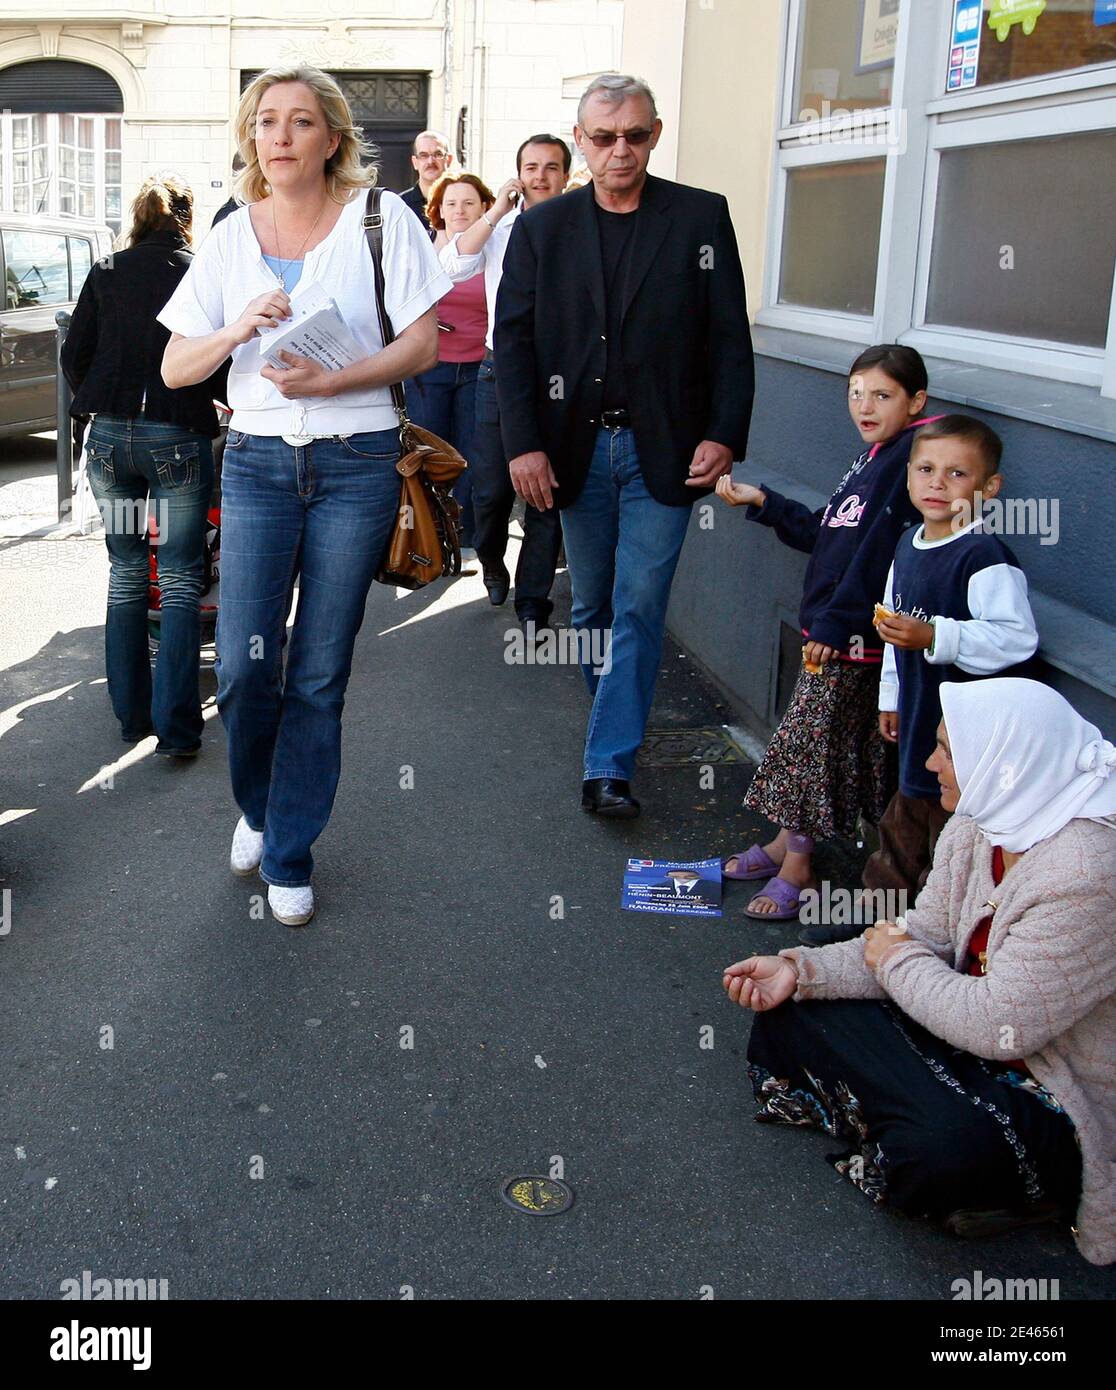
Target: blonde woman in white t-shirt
x: 309, y: 486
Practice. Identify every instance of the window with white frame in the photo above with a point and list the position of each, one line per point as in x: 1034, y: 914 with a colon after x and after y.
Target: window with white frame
x: 946, y: 175
x: 61, y: 164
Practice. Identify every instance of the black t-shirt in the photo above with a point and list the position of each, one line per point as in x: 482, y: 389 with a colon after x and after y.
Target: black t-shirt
x: 617, y: 232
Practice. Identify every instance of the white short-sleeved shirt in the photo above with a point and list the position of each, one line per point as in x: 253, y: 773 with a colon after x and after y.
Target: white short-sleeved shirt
x: 228, y: 272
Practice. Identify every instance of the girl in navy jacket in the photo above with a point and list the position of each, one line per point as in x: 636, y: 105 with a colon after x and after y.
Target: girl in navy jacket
x: 827, y: 763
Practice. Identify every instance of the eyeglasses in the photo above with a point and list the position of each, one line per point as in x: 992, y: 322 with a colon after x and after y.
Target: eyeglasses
x: 605, y: 139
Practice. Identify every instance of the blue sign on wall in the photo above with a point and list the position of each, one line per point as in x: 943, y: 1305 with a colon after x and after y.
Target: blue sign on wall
x: 966, y: 20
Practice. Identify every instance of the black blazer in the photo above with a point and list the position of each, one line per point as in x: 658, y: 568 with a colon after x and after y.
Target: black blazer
x: 113, y: 351
x: 687, y: 347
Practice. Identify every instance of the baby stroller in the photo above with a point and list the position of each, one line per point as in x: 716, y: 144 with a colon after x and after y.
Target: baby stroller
x: 211, y: 581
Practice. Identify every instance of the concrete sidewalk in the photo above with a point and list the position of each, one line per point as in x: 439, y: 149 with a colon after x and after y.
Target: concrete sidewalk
x: 241, y: 1047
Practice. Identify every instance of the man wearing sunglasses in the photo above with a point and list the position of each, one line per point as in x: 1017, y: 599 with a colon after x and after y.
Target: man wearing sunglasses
x: 625, y: 377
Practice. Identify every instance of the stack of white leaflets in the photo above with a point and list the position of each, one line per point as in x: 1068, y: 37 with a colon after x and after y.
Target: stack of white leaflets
x: 316, y: 329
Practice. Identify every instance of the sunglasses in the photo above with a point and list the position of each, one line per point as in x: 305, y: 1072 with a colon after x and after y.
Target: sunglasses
x: 605, y: 139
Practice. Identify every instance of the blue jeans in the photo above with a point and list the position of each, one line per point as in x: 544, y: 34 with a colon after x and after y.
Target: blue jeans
x: 622, y: 548
x: 130, y: 461
x: 324, y: 512
x: 444, y: 400
x: 493, y: 501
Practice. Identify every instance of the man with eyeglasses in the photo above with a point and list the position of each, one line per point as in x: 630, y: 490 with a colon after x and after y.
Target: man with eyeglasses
x: 430, y: 158
x: 625, y: 377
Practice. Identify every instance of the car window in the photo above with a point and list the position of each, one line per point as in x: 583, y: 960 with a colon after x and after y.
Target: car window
x: 81, y: 258
x: 36, y: 269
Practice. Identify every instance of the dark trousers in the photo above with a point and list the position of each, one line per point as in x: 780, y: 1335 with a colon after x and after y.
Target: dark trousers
x: 493, y: 500
x: 909, y: 830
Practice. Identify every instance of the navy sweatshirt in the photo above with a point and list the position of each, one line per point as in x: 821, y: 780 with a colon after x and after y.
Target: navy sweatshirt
x: 851, y: 542
x: 971, y: 588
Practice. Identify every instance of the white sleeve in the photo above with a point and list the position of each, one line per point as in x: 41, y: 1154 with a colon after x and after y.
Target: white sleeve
x: 457, y: 265
x: 197, y: 306
x: 414, y: 280
x: 1001, y: 631
x: 889, y: 672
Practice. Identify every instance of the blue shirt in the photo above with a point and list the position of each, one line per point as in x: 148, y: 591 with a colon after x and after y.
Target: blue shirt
x: 292, y: 273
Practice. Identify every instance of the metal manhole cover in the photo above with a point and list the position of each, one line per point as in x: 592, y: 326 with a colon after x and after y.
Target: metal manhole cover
x: 536, y: 1196
x: 679, y: 747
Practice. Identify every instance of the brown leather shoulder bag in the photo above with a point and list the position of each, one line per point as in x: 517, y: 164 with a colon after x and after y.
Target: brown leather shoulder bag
x: 425, y: 541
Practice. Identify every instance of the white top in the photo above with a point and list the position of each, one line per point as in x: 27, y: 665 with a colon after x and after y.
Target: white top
x: 228, y: 272
x: 460, y: 267
x: 1000, y: 633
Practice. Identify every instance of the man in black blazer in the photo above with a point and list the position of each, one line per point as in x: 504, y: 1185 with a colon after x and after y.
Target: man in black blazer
x: 625, y: 377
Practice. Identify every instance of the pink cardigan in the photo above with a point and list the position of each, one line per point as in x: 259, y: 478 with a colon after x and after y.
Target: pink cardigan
x: 1050, y: 992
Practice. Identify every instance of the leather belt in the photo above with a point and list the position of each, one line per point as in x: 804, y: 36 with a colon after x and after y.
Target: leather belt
x: 616, y: 420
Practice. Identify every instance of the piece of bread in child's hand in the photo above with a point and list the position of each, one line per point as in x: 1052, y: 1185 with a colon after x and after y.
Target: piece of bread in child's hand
x: 880, y: 614
x: 812, y: 668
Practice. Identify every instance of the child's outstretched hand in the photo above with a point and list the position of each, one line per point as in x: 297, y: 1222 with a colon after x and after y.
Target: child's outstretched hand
x: 739, y: 494
x: 912, y: 634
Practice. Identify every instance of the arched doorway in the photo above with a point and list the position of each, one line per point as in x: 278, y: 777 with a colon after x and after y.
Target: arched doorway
x: 60, y: 140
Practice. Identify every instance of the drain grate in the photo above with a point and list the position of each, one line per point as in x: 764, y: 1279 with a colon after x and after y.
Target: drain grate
x: 680, y: 747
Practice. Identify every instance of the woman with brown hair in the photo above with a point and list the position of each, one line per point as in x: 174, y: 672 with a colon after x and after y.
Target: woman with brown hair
x: 148, y: 444
x: 444, y: 399
x: 309, y: 487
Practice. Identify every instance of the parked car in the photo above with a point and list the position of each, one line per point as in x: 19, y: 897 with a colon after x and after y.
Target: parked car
x: 43, y: 264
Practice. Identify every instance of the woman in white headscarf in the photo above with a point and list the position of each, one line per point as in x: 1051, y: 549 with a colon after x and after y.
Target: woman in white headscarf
x: 980, y: 1090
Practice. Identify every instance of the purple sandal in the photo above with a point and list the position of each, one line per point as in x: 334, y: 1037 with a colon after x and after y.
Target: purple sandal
x: 787, y: 898
x: 753, y: 862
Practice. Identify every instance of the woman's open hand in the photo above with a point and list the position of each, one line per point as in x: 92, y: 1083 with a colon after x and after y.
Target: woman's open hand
x: 265, y: 311
x: 739, y: 494
x: 761, y: 982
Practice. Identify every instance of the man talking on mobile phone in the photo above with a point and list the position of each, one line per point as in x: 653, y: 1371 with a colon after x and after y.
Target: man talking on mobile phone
x: 543, y: 165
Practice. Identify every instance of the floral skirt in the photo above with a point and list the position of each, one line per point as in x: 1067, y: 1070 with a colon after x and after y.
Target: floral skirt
x: 827, y: 764
x: 929, y: 1129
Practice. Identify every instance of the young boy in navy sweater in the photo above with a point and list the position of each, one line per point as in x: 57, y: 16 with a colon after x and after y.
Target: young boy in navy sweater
x: 957, y: 610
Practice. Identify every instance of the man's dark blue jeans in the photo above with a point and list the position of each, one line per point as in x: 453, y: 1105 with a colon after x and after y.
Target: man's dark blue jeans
x: 130, y: 462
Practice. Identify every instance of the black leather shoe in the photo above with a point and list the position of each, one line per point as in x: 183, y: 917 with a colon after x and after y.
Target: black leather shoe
x: 167, y: 752
x: 826, y: 936
x: 497, y: 582
x: 538, y: 616
x: 608, y: 796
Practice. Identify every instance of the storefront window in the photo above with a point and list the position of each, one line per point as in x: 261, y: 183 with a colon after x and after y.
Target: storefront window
x: 1030, y: 267
x: 1010, y: 40
x: 831, y: 236
x: 846, y: 57
x: 63, y: 165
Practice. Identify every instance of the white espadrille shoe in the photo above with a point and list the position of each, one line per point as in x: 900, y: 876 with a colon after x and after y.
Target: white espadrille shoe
x: 292, y: 906
x: 247, y: 849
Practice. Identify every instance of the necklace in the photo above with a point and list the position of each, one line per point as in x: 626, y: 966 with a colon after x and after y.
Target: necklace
x: 284, y: 265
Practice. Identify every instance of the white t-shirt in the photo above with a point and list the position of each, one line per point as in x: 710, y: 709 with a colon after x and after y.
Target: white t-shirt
x: 228, y: 272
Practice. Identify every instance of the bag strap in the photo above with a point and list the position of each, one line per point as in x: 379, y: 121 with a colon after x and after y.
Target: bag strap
x: 373, y: 223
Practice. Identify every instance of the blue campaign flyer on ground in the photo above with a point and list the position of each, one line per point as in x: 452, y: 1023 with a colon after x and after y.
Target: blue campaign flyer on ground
x: 666, y: 885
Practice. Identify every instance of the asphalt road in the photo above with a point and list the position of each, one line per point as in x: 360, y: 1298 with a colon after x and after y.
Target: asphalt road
x: 256, y: 1129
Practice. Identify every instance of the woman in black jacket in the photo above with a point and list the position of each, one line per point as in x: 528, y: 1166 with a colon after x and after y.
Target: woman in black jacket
x: 146, y: 441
